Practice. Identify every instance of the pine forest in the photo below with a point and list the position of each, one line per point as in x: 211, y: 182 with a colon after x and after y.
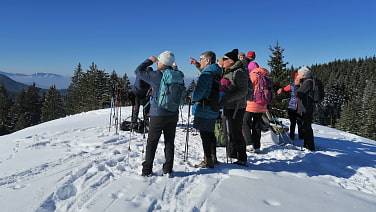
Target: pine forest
x: 349, y: 103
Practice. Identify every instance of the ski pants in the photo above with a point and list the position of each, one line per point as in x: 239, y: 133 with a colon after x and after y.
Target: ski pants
x: 208, y: 143
x: 136, y: 107
x: 252, y: 124
x: 307, y: 131
x: 157, y: 125
x: 237, y: 146
x: 295, y: 119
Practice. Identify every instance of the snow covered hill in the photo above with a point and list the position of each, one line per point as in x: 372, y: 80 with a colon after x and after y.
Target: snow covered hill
x: 77, y: 164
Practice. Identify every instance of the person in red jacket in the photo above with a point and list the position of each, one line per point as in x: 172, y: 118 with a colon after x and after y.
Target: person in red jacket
x: 291, y: 109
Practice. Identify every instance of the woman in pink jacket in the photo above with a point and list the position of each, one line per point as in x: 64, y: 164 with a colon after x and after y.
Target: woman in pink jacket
x: 252, y: 120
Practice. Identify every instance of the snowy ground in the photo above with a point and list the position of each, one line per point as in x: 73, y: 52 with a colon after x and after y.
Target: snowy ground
x: 77, y: 164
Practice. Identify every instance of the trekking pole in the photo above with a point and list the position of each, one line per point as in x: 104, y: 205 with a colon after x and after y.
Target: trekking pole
x: 228, y: 140
x: 116, y: 114
x: 181, y: 115
x: 187, y: 135
x: 279, y: 130
x: 130, y: 138
x: 119, y: 92
x: 111, y: 106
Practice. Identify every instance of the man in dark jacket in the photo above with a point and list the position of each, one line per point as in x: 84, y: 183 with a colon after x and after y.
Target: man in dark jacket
x: 160, y: 120
x: 235, y: 104
x: 304, y: 91
x: 140, y: 90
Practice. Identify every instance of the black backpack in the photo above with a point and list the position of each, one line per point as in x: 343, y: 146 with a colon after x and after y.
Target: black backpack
x: 138, y: 127
x: 213, y: 99
x: 250, y: 93
x: 318, y: 93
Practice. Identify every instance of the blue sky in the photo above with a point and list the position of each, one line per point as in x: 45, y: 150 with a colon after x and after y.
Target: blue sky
x: 55, y: 35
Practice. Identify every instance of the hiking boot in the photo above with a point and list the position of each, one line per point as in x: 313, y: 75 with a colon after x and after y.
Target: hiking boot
x: 250, y: 149
x: 206, y: 163
x: 241, y: 163
x: 147, y: 174
x: 312, y: 148
x: 257, y: 150
x: 201, y: 165
x: 168, y: 174
x: 209, y: 163
x: 214, y: 159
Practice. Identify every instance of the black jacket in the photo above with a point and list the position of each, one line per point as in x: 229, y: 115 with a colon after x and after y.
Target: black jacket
x: 304, y: 93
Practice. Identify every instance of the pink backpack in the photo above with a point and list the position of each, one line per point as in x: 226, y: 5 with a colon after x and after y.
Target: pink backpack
x: 264, y: 94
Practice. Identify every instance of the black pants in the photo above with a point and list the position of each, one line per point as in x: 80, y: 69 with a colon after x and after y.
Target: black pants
x: 252, y: 125
x: 208, y: 143
x: 295, y: 119
x: 157, y: 125
x: 138, y: 101
x: 307, y: 131
x: 237, y: 146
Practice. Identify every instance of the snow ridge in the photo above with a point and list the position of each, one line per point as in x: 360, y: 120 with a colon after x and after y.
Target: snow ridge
x: 77, y: 164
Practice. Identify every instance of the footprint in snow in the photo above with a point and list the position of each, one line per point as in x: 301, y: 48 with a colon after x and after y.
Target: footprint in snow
x: 272, y: 202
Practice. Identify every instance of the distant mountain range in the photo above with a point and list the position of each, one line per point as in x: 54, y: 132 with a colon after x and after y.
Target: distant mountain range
x: 11, y: 85
x: 15, y: 82
x: 41, y: 80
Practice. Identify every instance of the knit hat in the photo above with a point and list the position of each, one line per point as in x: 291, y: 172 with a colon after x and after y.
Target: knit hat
x: 305, y: 71
x: 252, y: 66
x: 167, y: 58
x: 251, y: 54
x: 233, y: 55
x: 241, y: 54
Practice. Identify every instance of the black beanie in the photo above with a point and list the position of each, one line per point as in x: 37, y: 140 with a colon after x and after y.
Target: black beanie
x: 233, y: 55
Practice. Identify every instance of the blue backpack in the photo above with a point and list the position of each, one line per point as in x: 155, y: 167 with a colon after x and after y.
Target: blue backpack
x: 171, y: 90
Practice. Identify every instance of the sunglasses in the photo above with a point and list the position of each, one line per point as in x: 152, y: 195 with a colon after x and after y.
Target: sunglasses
x: 225, y: 58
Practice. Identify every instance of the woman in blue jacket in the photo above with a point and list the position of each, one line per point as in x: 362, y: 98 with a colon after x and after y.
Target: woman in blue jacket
x: 205, y: 116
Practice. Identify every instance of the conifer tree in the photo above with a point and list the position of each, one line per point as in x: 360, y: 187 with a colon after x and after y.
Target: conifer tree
x: 28, y: 108
x: 114, y: 84
x: 127, y: 89
x: 369, y: 128
x: 5, y: 111
x: 53, y: 106
x: 20, y: 109
x: 75, y: 92
x: 280, y: 74
x: 277, y: 66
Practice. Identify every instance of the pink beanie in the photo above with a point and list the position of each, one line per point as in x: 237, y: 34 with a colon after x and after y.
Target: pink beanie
x: 252, y: 66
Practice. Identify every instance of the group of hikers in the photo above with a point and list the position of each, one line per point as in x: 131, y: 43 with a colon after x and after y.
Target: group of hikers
x: 234, y: 72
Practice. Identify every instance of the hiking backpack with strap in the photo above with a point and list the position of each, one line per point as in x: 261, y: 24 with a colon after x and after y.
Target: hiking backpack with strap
x: 250, y: 93
x: 171, y: 90
x: 213, y: 100
x: 263, y: 94
x: 318, y: 93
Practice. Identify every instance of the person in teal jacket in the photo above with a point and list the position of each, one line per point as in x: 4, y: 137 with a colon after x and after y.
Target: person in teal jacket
x: 204, y: 115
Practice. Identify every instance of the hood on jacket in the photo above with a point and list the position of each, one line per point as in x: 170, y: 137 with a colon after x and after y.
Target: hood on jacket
x: 213, y: 68
x: 238, y: 64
